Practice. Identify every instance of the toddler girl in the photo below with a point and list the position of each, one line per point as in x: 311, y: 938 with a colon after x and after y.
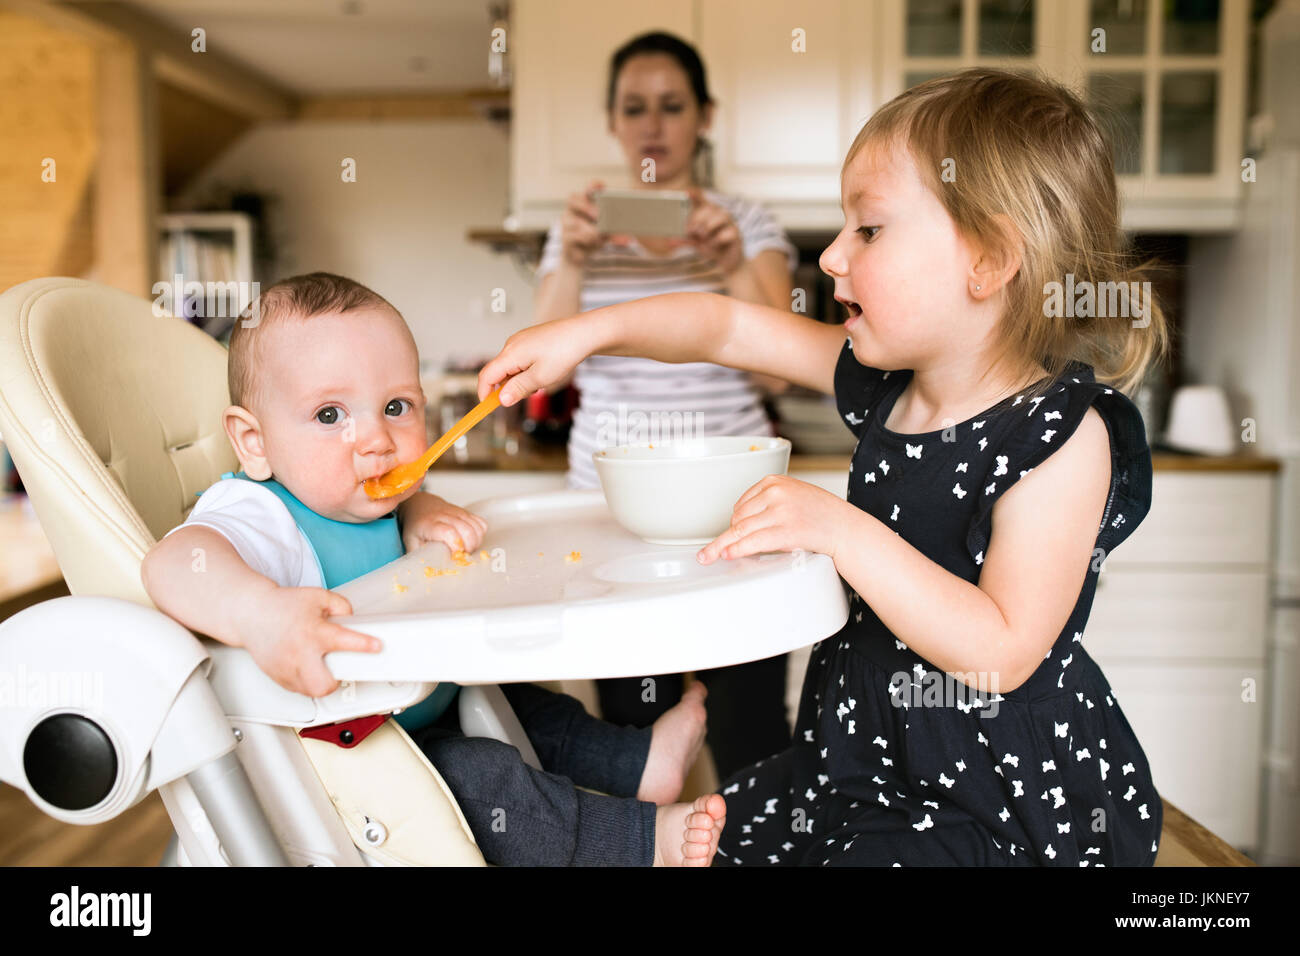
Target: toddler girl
x: 956, y: 718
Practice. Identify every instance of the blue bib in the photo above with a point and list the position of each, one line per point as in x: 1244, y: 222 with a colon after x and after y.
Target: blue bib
x: 345, y: 550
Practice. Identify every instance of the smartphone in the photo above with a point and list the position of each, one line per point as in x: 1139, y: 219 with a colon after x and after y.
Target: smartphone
x: 643, y: 212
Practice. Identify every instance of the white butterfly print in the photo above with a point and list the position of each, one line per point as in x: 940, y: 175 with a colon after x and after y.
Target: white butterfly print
x: 884, y: 467
x: 1001, y: 469
x: 1019, y: 790
x: 1049, y: 765
x: 1104, y: 767
x: 894, y: 516
x: 869, y: 478
x: 1051, y: 415
x: 961, y: 466
x: 975, y: 425
x: 1061, y: 729
x: 924, y: 824
x: 913, y: 451
x: 979, y: 558
x: 989, y: 489
x: 1014, y: 761
x: 1047, y: 435
x: 852, y: 419
x: 958, y: 491
x: 945, y: 780
x: 983, y: 443
x: 1050, y: 853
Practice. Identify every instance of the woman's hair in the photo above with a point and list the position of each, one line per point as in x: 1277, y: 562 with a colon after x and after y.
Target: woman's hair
x: 689, y: 60
x: 1018, y: 161
x: 300, y: 297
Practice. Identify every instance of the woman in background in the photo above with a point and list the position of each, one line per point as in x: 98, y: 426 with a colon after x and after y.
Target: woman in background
x: 659, y: 106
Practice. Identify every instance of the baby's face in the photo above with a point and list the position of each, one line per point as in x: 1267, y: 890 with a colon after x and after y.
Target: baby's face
x: 900, y: 260
x: 341, y: 402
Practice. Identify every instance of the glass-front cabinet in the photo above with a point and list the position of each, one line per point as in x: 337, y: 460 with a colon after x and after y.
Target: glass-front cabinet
x: 1169, y: 78
x: 922, y: 39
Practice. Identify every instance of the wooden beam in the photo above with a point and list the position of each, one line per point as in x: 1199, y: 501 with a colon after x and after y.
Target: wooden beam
x: 127, y: 187
x: 232, y: 86
x: 457, y: 104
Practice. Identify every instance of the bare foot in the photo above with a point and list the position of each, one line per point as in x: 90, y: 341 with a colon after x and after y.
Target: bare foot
x: 697, y: 826
x: 675, y: 742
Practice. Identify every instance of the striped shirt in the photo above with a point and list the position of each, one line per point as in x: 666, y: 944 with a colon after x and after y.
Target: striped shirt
x: 624, y: 399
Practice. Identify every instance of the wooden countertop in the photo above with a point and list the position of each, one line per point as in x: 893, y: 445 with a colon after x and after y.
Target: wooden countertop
x: 28, y: 571
x: 555, y: 458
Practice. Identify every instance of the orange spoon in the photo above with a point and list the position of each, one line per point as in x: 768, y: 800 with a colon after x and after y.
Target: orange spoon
x: 404, y: 476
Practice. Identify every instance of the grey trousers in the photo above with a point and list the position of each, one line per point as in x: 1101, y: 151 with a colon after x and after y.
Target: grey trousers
x: 521, y: 816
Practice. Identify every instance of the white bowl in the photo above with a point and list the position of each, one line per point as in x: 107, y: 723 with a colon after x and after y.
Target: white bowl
x: 683, y: 492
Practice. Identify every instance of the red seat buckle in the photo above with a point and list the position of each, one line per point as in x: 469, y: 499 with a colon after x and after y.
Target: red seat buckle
x: 346, y: 733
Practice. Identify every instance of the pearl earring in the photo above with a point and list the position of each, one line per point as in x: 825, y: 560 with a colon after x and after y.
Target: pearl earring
x: 977, y: 288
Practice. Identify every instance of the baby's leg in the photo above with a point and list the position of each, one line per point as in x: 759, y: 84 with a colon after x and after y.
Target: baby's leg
x: 650, y: 763
x: 521, y: 816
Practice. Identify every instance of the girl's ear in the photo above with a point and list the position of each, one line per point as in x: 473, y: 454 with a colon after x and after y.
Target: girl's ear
x: 706, y: 117
x: 245, y: 434
x: 998, y: 261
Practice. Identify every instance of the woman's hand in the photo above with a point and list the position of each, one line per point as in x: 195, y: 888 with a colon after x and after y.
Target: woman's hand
x: 781, y: 513
x: 427, y: 518
x: 536, y: 357
x: 714, y: 234
x: 579, y: 236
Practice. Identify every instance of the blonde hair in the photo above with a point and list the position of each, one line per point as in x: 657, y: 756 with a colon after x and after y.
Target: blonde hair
x: 300, y: 297
x: 1025, y: 148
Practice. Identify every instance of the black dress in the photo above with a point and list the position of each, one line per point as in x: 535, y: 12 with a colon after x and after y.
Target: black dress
x: 893, y: 763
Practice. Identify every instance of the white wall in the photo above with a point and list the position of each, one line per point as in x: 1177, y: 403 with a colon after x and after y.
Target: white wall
x: 400, y: 228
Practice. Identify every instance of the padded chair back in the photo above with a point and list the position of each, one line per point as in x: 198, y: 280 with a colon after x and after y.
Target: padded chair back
x: 113, y: 418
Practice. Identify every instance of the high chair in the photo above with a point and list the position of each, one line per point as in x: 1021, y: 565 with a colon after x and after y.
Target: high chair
x: 112, y: 416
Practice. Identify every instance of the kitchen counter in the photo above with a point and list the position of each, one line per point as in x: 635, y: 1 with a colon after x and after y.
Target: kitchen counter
x: 554, y: 458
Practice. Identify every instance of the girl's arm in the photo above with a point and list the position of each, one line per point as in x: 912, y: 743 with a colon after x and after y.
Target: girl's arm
x: 1029, y: 581
x: 679, y: 327
x: 764, y: 279
x: 1044, y: 530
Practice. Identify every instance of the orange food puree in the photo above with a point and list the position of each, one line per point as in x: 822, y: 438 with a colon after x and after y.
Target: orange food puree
x: 573, y: 557
x: 461, y: 558
x: 439, y: 572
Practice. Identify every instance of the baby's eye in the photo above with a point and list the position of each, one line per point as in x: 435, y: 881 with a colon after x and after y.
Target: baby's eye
x: 868, y: 232
x: 399, y: 402
x: 328, y: 415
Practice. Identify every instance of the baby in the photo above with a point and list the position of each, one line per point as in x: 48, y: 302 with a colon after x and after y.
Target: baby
x: 325, y: 393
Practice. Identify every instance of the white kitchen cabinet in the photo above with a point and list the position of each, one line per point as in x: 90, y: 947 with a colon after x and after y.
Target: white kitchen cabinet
x: 1179, y: 626
x: 1174, y: 89
x: 559, y: 130
x: 793, y: 85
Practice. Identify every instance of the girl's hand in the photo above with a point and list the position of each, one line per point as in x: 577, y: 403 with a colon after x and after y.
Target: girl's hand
x: 536, y: 358
x: 714, y: 234
x: 579, y: 236
x: 427, y: 518
x: 781, y: 513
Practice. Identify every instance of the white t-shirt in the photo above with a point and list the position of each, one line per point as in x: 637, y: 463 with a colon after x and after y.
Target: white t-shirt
x: 621, y: 394
x: 260, y: 528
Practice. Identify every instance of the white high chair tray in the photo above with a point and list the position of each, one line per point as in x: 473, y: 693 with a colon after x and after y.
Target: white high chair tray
x: 533, y: 610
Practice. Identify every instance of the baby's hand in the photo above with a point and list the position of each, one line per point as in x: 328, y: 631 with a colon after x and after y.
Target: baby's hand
x: 427, y: 518
x: 288, y: 632
x: 780, y: 513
